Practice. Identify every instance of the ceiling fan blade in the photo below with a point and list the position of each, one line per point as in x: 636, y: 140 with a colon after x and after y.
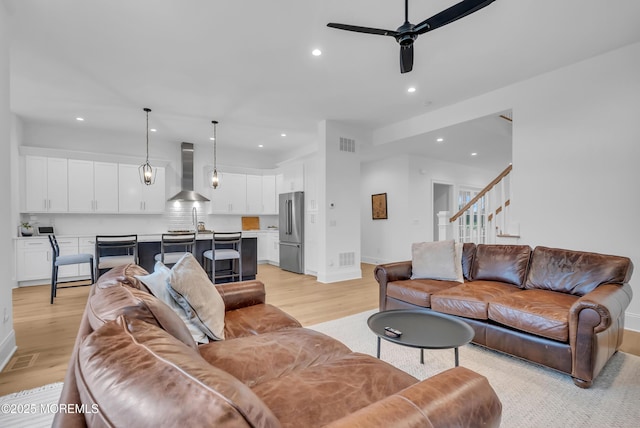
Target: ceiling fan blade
x: 406, y: 58
x: 366, y: 30
x: 447, y: 16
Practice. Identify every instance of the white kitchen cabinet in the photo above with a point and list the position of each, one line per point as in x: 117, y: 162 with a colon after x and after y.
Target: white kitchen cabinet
x: 269, y: 196
x: 93, y: 186
x: 255, y: 204
x: 231, y: 195
x: 136, y: 197
x: 33, y: 259
x: 263, y: 247
x: 292, y: 178
x: 273, y: 240
x: 45, y: 184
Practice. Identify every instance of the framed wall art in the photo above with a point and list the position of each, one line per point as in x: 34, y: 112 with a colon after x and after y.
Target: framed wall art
x: 379, y: 206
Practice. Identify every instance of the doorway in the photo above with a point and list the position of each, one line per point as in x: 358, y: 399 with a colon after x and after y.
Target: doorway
x: 442, y: 201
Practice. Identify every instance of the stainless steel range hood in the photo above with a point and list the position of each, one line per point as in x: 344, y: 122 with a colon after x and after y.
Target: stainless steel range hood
x: 187, y: 194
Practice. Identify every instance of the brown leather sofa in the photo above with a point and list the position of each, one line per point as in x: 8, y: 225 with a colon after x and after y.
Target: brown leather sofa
x: 559, y: 308
x: 136, y: 364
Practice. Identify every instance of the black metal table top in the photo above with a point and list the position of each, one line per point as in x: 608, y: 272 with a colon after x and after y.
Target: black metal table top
x: 422, y: 328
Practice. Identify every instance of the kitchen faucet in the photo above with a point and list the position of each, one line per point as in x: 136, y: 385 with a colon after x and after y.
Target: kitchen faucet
x: 194, y: 219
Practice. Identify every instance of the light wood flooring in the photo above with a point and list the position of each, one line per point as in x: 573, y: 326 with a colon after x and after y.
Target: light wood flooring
x: 48, y: 332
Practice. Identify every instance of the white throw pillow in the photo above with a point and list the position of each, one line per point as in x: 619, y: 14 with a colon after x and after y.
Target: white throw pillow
x: 190, y: 286
x: 156, y: 282
x: 434, y: 260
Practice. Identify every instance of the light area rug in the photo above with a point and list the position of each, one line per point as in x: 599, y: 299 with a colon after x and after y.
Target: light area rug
x: 531, y: 395
x: 33, y: 408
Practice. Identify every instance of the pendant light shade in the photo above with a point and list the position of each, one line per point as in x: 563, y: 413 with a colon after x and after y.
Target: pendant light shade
x: 147, y: 172
x: 215, y: 181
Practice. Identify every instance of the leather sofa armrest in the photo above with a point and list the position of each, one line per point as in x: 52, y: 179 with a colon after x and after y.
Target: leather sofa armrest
x: 456, y: 397
x: 390, y: 272
x: 242, y: 294
x: 609, y: 301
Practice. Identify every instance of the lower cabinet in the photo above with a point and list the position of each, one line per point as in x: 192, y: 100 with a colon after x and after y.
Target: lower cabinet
x: 269, y: 247
x: 148, y: 250
x: 34, y: 258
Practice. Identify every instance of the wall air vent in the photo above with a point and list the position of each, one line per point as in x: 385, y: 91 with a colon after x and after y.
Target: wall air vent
x: 347, y: 145
x: 346, y: 259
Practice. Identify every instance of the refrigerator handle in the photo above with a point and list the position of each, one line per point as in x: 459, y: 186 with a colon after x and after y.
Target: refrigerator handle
x: 289, y: 216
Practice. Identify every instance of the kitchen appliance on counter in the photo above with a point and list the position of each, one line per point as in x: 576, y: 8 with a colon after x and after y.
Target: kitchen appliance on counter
x: 291, y: 226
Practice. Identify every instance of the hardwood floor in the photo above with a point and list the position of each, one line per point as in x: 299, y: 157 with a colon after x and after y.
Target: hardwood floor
x: 49, y: 331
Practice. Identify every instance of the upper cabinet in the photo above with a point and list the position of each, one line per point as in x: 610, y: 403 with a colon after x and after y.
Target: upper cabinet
x: 292, y: 179
x: 93, y: 186
x: 244, y: 194
x: 231, y: 195
x: 45, y: 184
x: 135, y: 197
x: 269, y: 196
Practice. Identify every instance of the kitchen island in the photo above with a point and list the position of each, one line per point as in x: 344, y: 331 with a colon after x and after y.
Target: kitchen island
x: 149, y: 246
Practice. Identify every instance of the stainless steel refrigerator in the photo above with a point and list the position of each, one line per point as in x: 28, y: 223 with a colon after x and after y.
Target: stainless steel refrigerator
x: 291, y: 226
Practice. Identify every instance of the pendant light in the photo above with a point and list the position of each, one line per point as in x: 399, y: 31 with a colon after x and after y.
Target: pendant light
x: 147, y: 172
x: 215, y: 181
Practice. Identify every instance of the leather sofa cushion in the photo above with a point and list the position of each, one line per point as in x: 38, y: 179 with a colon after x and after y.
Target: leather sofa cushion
x: 417, y: 291
x: 318, y: 395
x: 173, y: 374
x: 257, y: 319
x: 503, y: 263
x: 107, y: 303
x: 575, y: 272
x: 468, y: 254
x: 540, y: 312
x: 471, y: 299
x: 280, y: 353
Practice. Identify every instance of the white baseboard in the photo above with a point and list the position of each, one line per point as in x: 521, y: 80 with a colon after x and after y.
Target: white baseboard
x: 343, y: 275
x: 375, y: 261
x: 632, y: 321
x: 7, y: 349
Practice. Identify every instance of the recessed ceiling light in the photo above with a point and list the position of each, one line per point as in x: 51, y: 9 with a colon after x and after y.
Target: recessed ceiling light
x: 260, y: 145
x: 411, y: 90
x: 440, y: 140
x: 316, y: 52
x: 283, y: 135
x: 474, y: 154
x: 212, y: 139
x: 153, y: 130
x: 80, y: 119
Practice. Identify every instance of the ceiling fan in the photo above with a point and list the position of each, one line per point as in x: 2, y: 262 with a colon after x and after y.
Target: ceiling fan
x: 407, y: 33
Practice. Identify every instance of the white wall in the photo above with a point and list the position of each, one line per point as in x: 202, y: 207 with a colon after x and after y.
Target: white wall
x: 338, y: 202
x: 408, y: 182
x: 576, y: 148
x: 7, y: 334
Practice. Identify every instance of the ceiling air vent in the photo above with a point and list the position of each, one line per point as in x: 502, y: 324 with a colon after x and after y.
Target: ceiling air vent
x: 347, y: 145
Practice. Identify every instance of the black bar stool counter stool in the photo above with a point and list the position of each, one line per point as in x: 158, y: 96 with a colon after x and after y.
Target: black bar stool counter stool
x: 225, y: 246
x: 115, y: 250
x: 175, y: 245
x: 72, y: 259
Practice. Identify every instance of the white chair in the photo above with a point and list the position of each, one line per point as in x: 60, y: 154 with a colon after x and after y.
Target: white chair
x: 115, y: 250
x: 175, y: 245
x: 224, y: 246
x: 72, y: 259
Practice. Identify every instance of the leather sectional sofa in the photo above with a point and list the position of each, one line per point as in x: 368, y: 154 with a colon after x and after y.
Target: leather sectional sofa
x: 136, y: 364
x: 559, y: 308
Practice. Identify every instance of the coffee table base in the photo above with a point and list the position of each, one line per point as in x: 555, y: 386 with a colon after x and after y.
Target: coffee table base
x: 457, y: 356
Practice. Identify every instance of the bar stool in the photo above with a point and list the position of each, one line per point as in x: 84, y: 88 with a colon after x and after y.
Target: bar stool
x: 72, y: 259
x: 231, y: 250
x: 115, y: 250
x: 184, y: 242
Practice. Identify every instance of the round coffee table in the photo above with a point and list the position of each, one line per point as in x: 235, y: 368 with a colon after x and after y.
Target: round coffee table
x: 422, y: 329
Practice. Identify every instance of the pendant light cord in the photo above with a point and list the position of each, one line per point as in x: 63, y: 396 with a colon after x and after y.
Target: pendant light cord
x: 147, y: 110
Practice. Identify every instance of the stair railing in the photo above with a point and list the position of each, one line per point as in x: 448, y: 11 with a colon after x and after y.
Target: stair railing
x: 478, y: 221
